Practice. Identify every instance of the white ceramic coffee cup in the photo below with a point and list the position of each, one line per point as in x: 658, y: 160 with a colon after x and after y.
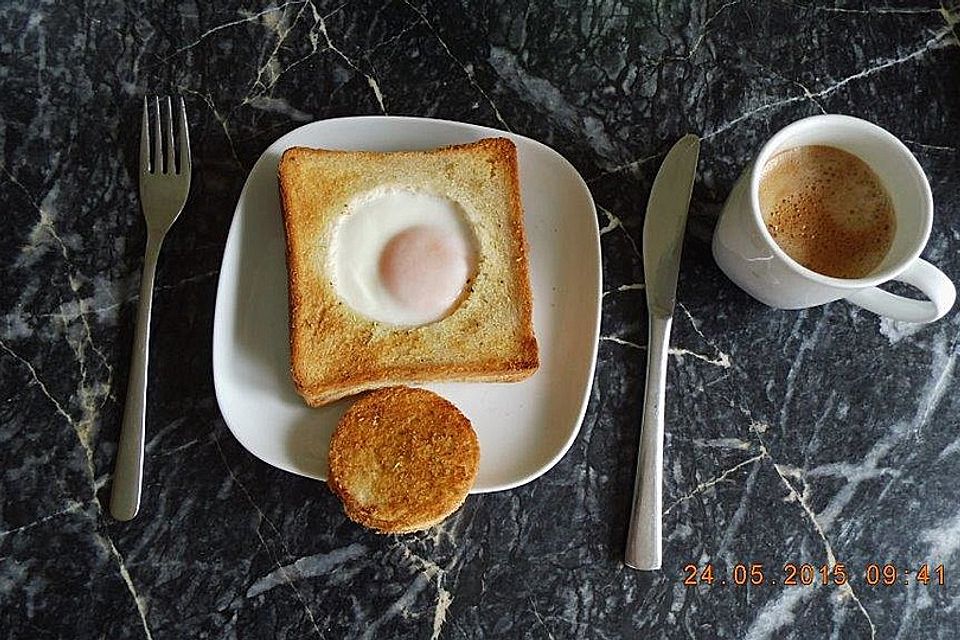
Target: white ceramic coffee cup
x: 750, y: 257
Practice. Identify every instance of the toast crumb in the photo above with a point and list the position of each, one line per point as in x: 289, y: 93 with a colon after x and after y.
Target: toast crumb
x: 402, y: 459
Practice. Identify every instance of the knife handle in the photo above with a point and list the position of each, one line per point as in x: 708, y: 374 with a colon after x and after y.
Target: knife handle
x: 645, y: 536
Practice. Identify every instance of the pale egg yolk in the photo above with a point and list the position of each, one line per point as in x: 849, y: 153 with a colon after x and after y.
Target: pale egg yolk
x: 425, y: 269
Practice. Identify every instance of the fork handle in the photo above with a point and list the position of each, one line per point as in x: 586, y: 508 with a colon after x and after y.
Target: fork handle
x: 128, y: 473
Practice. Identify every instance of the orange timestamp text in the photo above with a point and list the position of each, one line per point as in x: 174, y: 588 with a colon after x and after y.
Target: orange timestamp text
x: 805, y: 574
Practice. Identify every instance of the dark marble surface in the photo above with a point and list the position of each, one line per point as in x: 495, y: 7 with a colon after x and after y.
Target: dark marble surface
x: 815, y: 436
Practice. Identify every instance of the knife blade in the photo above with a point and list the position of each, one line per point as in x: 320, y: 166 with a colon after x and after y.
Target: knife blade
x: 663, y: 231
x: 664, y: 225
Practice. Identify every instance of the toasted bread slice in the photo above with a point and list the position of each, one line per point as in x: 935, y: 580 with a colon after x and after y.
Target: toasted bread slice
x: 488, y: 337
x: 402, y: 459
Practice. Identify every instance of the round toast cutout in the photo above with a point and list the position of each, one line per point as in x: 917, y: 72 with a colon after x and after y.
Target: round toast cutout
x: 402, y: 459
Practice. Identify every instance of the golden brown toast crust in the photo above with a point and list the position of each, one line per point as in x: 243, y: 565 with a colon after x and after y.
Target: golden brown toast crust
x: 402, y: 459
x: 336, y: 352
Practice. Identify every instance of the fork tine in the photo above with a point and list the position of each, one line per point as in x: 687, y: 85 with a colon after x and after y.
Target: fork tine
x: 168, y: 129
x: 145, y: 140
x: 157, y: 138
x: 185, y: 164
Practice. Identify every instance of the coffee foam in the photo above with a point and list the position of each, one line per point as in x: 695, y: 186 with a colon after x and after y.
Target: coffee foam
x: 827, y: 210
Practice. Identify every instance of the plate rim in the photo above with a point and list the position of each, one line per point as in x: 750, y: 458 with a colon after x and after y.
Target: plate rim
x: 219, y: 324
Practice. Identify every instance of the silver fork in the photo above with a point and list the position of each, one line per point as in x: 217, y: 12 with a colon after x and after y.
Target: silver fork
x: 163, y: 191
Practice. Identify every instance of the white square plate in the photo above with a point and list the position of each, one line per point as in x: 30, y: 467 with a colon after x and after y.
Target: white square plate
x: 524, y: 428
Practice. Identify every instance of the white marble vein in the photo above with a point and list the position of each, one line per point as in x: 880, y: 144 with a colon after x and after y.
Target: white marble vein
x: 626, y: 166
x: 399, y: 607
x: 444, y: 599
x: 467, y: 70
x: 280, y: 106
x: 933, y: 391
x: 722, y: 360
x: 799, y: 358
x: 723, y: 443
x: 107, y: 544
x: 281, y: 26
x: 854, y: 474
x: 944, y: 38
x: 281, y: 570
x: 371, y: 81
x: 101, y: 305
x: 72, y: 507
x: 874, y: 10
x: 432, y: 571
x: 257, y: 100
x: 233, y: 23
x: 788, y: 599
x: 320, y: 564
x: 621, y: 341
x: 705, y: 29
x: 43, y: 227
x: 949, y: 450
x: 732, y: 529
x: 781, y: 612
x: 703, y: 486
x: 944, y: 542
x: 624, y: 287
x: 777, y: 614
x: 221, y: 120
x: 930, y: 147
x: 428, y: 571
x: 613, y: 222
x: 40, y: 384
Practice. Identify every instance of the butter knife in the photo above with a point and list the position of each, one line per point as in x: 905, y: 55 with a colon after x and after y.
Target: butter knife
x: 663, y: 230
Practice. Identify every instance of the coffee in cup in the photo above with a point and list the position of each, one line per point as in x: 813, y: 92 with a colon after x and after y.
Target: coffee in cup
x: 827, y: 209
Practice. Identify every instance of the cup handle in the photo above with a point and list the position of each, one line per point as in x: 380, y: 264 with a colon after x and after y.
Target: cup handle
x: 922, y: 275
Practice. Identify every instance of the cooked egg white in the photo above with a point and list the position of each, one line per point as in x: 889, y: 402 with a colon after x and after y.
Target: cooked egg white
x: 402, y: 257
